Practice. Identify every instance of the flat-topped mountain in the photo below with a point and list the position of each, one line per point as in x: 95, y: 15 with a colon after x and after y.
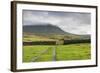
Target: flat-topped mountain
x: 49, y: 30
x: 43, y: 29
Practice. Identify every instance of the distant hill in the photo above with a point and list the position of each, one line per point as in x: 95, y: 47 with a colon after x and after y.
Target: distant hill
x: 85, y: 36
x: 50, y: 30
x: 43, y: 29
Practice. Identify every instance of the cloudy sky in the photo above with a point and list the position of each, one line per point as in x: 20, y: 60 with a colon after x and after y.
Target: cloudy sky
x: 72, y: 22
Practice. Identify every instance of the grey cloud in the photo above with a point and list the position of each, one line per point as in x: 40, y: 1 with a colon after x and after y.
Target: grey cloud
x: 73, y: 22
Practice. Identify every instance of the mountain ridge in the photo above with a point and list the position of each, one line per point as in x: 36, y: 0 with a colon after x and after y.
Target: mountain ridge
x: 43, y: 29
x: 49, y: 29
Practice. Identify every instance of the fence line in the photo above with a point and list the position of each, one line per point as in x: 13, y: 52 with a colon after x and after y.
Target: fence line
x: 39, y: 43
x: 55, y: 42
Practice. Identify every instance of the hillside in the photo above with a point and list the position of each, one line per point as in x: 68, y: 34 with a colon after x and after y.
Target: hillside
x: 43, y: 29
x: 49, y: 32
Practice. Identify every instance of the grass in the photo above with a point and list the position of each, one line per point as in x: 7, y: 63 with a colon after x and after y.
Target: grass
x: 30, y: 52
x: 33, y: 37
x: 73, y: 52
x: 36, y: 38
x: 63, y: 52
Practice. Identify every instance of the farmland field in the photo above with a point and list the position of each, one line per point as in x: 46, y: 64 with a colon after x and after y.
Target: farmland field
x: 42, y: 53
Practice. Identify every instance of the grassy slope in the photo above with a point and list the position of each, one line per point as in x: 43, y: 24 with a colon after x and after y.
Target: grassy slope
x: 36, y: 38
x: 64, y: 52
x: 32, y: 37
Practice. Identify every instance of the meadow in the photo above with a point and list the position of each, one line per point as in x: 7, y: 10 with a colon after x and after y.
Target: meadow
x: 42, y: 53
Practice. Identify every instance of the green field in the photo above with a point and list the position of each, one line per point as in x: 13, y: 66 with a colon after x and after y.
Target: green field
x: 41, y: 53
x: 36, y: 38
x: 32, y: 37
